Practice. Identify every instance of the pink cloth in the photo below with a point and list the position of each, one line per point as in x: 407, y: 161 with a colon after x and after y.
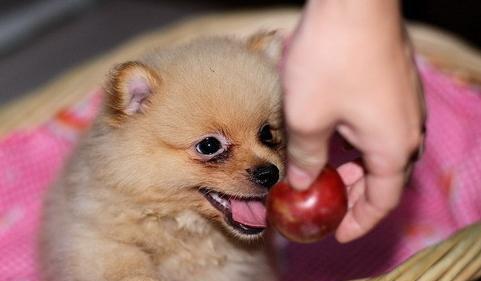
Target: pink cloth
x: 444, y: 194
x: 29, y: 162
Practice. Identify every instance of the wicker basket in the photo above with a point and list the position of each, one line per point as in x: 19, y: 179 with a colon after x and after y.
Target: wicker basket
x: 457, y: 258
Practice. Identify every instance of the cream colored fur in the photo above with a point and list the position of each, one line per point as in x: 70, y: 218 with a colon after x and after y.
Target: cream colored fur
x: 128, y: 207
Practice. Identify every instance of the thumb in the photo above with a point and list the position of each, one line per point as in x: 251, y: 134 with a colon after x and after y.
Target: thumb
x: 306, y: 156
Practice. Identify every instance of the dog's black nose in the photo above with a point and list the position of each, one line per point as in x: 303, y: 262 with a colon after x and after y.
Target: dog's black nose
x: 265, y: 176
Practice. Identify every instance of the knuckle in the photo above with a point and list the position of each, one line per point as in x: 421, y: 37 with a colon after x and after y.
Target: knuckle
x: 414, y: 147
x: 387, y: 163
x: 306, y: 157
x: 400, y: 152
x: 386, y: 206
x: 392, y: 204
x: 298, y: 123
x: 414, y: 140
x: 305, y: 118
x: 308, y: 161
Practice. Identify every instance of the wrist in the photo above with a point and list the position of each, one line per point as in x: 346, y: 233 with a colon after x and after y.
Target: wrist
x: 373, y: 8
x: 374, y: 25
x: 380, y: 16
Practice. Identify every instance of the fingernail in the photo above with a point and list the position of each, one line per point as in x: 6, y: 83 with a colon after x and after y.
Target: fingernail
x: 298, y: 178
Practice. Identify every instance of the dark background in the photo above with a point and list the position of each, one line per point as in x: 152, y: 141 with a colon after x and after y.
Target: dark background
x: 84, y: 28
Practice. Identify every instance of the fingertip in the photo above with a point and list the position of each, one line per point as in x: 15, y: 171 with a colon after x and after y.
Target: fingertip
x: 298, y: 178
x: 341, y: 237
x: 348, y: 230
x: 350, y: 172
x: 306, y: 156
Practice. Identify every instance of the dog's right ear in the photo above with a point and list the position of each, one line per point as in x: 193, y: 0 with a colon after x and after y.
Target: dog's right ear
x: 129, y: 88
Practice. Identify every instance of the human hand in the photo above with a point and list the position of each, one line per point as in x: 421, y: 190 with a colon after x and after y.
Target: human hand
x: 349, y: 68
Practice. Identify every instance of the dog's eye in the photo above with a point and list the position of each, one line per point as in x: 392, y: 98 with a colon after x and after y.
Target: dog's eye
x: 209, y: 146
x: 265, y: 135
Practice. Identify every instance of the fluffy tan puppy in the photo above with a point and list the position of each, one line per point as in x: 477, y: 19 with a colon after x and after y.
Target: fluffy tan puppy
x: 170, y: 181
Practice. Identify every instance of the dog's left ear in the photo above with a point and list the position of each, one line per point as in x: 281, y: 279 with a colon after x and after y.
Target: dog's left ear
x: 269, y: 43
x: 129, y: 88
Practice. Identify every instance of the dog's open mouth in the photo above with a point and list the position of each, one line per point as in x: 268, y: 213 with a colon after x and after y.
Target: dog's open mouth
x: 247, y: 215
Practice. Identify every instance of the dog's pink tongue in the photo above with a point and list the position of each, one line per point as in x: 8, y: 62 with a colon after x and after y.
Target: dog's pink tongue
x: 251, y: 213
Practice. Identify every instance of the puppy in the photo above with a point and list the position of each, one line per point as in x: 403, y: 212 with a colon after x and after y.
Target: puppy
x: 170, y: 181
